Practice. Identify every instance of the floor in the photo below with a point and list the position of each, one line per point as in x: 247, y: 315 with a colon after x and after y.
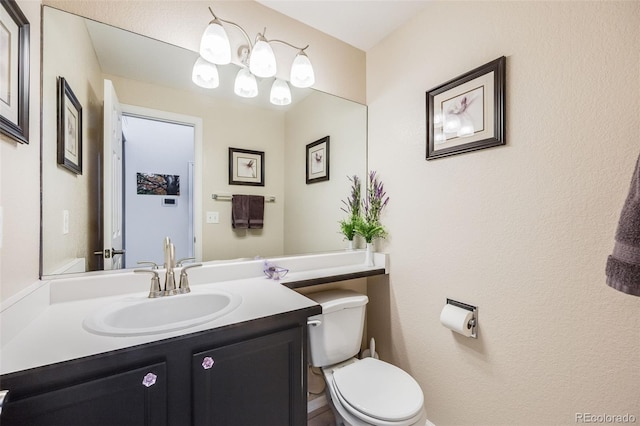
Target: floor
x: 322, y: 415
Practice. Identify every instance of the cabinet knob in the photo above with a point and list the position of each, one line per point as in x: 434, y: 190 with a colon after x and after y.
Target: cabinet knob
x: 207, y: 362
x: 149, y: 379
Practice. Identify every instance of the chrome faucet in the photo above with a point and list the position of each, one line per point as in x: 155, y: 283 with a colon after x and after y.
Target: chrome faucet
x: 169, y: 264
x: 170, y: 281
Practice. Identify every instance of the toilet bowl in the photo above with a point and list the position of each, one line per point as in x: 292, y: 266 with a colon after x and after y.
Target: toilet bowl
x: 361, y: 392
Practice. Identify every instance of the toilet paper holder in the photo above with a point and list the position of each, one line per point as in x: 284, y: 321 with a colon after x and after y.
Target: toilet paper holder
x: 473, y: 322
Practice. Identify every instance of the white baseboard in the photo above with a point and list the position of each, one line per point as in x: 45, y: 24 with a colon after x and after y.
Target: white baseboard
x: 316, y: 403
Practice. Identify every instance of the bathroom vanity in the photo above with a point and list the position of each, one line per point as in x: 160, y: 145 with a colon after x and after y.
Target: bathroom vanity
x: 247, y: 367
x: 244, y: 374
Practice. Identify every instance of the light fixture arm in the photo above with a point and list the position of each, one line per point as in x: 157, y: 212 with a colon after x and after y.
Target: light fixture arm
x: 302, y: 49
x: 235, y: 25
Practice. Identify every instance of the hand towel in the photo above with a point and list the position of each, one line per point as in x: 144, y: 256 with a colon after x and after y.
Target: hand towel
x: 256, y: 211
x: 240, y: 211
x: 623, y: 266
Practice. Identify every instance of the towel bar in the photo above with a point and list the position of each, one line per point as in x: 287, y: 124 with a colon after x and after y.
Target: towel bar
x: 220, y: 197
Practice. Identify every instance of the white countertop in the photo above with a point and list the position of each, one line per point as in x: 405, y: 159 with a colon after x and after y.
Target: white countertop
x: 45, y: 326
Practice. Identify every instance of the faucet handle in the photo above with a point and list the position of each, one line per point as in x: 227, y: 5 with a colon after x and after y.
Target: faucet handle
x: 153, y: 265
x: 155, y: 290
x: 184, y: 278
x: 184, y: 259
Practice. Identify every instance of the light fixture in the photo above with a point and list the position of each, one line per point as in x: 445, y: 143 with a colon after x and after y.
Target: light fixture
x: 301, y: 71
x: 258, y: 60
x: 205, y: 74
x: 262, y: 61
x: 245, y: 85
x: 280, y: 93
x: 214, y: 45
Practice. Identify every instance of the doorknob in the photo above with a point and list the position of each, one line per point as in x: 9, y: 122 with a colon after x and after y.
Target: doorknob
x: 108, y: 253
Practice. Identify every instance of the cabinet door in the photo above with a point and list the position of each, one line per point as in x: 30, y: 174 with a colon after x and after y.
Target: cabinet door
x: 255, y: 382
x: 130, y: 398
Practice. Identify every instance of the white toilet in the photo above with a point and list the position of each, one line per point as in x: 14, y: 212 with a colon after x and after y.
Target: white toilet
x: 361, y: 392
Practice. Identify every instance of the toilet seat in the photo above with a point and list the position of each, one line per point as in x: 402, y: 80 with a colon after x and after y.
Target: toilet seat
x: 378, y: 393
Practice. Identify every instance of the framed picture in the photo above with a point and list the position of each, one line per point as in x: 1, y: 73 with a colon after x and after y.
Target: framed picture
x: 246, y: 167
x: 14, y: 72
x: 318, y: 160
x: 69, y: 128
x: 467, y: 113
x: 157, y: 184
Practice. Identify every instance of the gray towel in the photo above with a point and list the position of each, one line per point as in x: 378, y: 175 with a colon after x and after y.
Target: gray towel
x: 240, y: 211
x: 256, y: 211
x: 623, y: 266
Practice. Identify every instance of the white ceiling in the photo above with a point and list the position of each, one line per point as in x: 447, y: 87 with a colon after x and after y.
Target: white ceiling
x: 360, y: 23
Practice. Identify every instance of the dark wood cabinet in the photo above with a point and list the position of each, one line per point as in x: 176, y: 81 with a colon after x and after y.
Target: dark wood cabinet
x: 250, y: 383
x: 252, y: 373
x: 135, y: 397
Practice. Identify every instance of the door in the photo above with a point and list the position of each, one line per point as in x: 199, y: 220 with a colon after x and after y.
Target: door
x: 253, y: 382
x: 131, y: 397
x: 113, y: 249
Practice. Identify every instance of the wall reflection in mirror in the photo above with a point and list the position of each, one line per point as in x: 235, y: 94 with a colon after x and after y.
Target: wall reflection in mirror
x: 175, y: 156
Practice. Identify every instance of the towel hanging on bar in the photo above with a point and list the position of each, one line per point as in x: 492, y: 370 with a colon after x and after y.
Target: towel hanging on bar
x: 247, y: 211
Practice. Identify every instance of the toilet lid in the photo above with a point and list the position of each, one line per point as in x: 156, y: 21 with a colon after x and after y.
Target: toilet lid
x: 379, y: 390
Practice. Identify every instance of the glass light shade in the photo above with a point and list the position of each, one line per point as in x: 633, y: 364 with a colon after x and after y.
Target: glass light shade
x: 262, y: 61
x: 466, y: 130
x: 439, y: 137
x: 246, y: 85
x: 451, y: 123
x: 302, y: 72
x: 280, y: 93
x: 205, y: 74
x: 214, y: 45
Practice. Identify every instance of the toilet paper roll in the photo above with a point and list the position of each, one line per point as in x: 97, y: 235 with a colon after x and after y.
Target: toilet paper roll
x: 457, y: 319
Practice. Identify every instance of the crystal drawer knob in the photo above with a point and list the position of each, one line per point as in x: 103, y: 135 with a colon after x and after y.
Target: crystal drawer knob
x: 207, y: 363
x: 149, y: 379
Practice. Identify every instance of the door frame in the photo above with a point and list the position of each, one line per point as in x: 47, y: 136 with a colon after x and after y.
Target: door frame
x: 196, y: 123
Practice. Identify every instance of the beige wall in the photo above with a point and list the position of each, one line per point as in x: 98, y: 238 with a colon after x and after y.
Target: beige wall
x: 339, y: 67
x: 345, y: 123
x: 69, y: 54
x: 20, y: 183
x: 225, y: 125
x: 522, y: 231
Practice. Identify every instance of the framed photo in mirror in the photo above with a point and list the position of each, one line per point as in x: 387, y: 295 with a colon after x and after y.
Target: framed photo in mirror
x: 467, y: 113
x: 14, y: 72
x: 246, y: 167
x: 69, y: 128
x: 318, y: 160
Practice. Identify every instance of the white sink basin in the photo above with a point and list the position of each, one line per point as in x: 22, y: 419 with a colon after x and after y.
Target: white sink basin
x: 139, y: 316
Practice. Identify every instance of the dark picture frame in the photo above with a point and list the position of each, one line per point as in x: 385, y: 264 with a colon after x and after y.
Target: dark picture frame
x: 69, y: 128
x: 14, y: 72
x: 246, y: 167
x: 467, y: 113
x: 317, y: 160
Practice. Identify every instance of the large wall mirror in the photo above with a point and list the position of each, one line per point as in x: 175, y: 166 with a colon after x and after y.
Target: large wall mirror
x: 175, y: 158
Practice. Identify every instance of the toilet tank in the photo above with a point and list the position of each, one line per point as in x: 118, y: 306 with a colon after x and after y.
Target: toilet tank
x: 339, y: 334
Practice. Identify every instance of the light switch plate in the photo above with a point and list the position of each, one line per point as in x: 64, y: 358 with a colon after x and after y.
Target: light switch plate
x: 65, y: 221
x: 213, y: 217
